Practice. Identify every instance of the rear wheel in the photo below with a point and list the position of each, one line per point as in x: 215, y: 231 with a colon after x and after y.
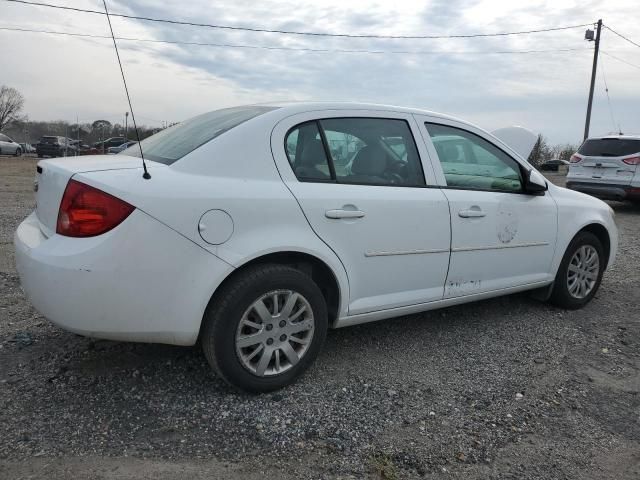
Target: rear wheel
x: 580, y: 272
x: 265, y: 328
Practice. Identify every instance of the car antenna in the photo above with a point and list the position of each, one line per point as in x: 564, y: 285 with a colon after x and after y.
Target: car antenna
x: 146, y: 174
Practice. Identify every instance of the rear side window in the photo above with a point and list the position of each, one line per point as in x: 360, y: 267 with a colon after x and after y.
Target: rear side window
x: 366, y: 151
x: 609, y: 147
x: 306, y: 153
x: 175, y: 142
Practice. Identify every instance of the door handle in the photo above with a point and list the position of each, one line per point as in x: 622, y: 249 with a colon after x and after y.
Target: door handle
x: 473, y: 212
x: 344, y: 214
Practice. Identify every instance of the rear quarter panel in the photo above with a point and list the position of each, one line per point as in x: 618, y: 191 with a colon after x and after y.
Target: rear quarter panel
x: 235, y: 173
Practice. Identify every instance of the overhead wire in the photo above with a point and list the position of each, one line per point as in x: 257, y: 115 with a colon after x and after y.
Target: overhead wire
x: 606, y: 89
x: 620, y: 59
x: 295, y: 32
x: 299, y: 49
x: 622, y: 36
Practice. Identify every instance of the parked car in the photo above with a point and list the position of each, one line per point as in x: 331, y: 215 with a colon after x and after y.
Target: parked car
x: 9, y: 147
x: 553, y: 165
x: 120, y: 148
x: 247, y: 237
x: 54, y: 146
x: 109, y: 142
x: 607, y: 167
x: 27, y: 148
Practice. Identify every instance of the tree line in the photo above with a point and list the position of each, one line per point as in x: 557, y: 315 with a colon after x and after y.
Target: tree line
x: 19, y: 128
x: 22, y: 130
x: 542, y: 151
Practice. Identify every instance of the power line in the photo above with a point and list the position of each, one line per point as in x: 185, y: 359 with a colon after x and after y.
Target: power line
x: 620, y: 60
x: 606, y: 89
x: 622, y: 36
x: 294, y: 32
x: 298, y: 49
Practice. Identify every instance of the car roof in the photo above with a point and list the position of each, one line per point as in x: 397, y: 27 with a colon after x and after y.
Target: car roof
x: 291, y: 108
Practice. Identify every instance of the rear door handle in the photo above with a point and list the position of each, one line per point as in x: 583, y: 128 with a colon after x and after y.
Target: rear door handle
x: 344, y: 214
x: 472, y: 213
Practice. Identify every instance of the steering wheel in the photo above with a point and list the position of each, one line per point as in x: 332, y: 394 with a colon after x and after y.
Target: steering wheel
x: 396, y: 173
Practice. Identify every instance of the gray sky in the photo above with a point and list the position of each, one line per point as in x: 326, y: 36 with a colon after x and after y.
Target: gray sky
x: 62, y: 77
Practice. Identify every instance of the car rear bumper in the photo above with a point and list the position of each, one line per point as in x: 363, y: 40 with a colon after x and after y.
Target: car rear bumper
x: 606, y: 191
x: 141, y: 281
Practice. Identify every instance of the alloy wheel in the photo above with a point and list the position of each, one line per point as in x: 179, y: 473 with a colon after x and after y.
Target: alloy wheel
x: 582, y: 272
x: 274, y: 333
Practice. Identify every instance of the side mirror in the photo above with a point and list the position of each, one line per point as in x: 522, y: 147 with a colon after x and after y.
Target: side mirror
x: 535, y: 184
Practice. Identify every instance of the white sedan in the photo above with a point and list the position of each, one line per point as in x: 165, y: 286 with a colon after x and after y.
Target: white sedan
x: 262, y: 226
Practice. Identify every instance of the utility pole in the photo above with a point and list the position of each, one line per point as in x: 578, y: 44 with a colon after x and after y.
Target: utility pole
x: 126, y: 127
x: 593, y: 76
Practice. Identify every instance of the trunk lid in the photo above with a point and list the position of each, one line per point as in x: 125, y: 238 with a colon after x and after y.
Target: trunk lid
x: 603, y: 160
x: 53, y: 175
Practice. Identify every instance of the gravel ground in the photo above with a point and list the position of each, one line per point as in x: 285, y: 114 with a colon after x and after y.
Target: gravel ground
x: 505, y: 388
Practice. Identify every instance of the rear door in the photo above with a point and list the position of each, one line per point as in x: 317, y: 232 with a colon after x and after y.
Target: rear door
x: 359, y: 180
x: 608, y: 160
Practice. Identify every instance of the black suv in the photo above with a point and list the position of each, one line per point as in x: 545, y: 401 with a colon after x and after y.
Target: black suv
x: 51, y: 146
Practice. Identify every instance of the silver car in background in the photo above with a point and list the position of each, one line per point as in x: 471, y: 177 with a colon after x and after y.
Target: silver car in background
x: 120, y: 148
x: 8, y: 146
x: 607, y: 167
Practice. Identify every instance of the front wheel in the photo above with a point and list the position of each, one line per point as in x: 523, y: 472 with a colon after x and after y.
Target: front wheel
x: 580, y: 272
x: 18, y: 152
x: 265, y: 328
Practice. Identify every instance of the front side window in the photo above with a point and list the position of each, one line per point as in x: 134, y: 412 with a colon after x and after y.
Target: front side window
x: 369, y: 151
x: 471, y: 162
x: 4, y: 138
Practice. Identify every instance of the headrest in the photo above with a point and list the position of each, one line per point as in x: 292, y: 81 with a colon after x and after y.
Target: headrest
x: 313, y: 154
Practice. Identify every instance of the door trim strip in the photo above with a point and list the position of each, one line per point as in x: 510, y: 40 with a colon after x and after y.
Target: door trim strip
x: 498, y: 247
x: 370, y: 253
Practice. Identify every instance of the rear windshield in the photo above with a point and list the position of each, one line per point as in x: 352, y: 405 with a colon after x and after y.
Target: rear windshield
x: 49, y: 140
x: 609, y: 147
x: 175, y: 142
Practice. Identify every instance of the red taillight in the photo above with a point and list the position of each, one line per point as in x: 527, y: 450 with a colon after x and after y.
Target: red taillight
x: 575, y: 158
x: 86, y: 211
x: 632, y: 160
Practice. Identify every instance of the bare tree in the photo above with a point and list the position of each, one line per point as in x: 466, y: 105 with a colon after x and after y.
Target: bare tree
x: 541, y: 151
x: 11, y: 103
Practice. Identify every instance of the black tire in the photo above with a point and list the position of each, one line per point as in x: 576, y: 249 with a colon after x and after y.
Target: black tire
x: 40, y: 155
x: 18, y: 152
x: 560, y: 295
x: 224, y: 313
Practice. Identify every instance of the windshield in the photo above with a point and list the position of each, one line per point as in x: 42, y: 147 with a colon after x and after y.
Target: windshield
x: 609, y: 147
x: 175, y: 142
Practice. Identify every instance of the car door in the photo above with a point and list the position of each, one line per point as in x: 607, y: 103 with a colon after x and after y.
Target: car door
x: 359, y: 180
x: 501, y: 236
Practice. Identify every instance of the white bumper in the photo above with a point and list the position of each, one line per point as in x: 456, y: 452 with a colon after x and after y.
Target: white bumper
x: 141, y: 281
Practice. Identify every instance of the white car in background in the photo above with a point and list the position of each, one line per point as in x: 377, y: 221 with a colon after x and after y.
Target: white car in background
x: 9, y: 147
x: 262, y: 226
x: 607, y: 167
x: 120, y: 148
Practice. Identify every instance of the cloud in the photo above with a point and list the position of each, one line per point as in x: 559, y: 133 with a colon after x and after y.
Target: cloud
x: 546, y: 91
